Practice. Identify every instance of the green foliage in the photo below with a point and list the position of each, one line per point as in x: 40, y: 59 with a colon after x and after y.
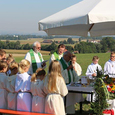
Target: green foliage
x: 101, y: 95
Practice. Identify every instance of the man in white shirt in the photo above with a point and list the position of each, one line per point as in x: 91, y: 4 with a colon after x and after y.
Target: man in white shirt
x: 109, y: 67
x: 35, y: 58
x: 59, y: 54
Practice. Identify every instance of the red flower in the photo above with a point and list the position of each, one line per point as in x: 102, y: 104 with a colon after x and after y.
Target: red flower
x: 110, y: 85
x: 112, y: 91
x: 109, y: 89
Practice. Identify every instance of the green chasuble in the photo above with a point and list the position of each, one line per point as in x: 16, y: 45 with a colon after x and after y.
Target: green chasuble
x: 33, y: 60
x: 65, y: 67
x: 56, y: 56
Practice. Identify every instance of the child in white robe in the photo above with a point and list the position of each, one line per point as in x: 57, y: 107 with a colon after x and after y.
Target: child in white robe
x: 76, y: 66
x: 3, y: 82
x: 12, y: 95
x: 55, y: 89
x: 109, y: 67
x: 23, y: 86
x: 38, y: 100
x: 91, y: 73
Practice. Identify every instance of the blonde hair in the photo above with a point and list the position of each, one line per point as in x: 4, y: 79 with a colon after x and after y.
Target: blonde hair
x: 23, y: 65
x: 54, y: 72
x: 10, y: 58
x: 39, y: 72
x: 3, y: 65
x: 13, y: 65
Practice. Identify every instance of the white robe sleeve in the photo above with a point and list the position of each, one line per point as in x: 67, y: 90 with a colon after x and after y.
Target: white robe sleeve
x: 52, y: 58
x: 78, y: 69
x: 89, y: 72
x: 64, y: 90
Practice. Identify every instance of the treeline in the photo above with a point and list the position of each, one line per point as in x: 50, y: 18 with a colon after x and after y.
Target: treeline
x: 106, y: 44
x: 18, y: 37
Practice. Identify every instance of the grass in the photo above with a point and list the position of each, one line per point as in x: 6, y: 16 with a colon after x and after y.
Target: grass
x: 83, y: 59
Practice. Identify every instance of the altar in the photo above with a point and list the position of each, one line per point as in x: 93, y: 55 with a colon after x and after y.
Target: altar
x: 78, y: 89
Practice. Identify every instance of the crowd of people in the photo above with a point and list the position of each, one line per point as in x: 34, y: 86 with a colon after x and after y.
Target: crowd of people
x: 24, y: 86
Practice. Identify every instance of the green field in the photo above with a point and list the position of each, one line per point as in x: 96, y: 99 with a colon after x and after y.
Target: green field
x: 83, y: 59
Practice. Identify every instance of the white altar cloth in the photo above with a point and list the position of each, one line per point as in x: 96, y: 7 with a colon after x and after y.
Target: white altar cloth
x: 75, y: 94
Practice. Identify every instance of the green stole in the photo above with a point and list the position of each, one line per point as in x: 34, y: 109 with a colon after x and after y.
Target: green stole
x: 65, y: 67
x: 56, y: 56
x: 34, y: 64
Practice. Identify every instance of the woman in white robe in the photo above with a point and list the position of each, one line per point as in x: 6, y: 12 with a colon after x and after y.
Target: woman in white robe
x: 23, y: 86
x: 3, y: 82
x: 38, y: 100
x: 55, y: 89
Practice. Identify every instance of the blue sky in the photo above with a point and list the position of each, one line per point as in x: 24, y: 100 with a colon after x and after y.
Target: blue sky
x: 22, y: 16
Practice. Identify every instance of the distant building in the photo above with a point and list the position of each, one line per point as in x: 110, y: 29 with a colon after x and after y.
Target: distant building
x: 47, y: 41
x: 94, y: 41
x: 15, y: 36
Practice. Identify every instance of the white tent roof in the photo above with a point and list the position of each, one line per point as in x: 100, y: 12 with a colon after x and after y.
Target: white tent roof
x: 96, y: 16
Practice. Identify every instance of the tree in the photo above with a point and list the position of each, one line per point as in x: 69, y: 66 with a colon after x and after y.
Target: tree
x: 70, y: 41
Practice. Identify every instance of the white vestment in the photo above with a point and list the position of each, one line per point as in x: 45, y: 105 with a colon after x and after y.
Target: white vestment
x: 54, y: 100
x: 64, y: 72
x: 109, y: 68
x: 23, y: 86
x: 3, y: 91
x: 38, y: 61
x: 38, y: 101
x: 92, y: 68
x: 53, y: 57
x: 78, y: 69
x: 12, y: 95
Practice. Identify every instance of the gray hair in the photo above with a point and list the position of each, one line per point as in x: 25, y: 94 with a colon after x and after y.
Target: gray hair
x: 66, y: 53
x: 34, y: 44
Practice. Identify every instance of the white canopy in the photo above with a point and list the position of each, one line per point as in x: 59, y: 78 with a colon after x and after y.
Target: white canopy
x: 94, y: 16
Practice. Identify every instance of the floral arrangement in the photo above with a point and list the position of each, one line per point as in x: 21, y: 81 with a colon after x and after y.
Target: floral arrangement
x: 110, y: 84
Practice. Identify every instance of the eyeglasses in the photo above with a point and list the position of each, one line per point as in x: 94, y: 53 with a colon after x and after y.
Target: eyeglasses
x: 112, y: 56
x: 38, y: 47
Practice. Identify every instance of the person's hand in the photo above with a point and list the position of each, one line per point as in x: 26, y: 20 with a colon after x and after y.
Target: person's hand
x: 70, y: 67
x: 43, y: 64
x: 94, y: 74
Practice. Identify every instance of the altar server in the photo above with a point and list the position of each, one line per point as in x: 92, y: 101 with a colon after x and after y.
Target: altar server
x: 109, y: 67
x: 38, y: 100
x: 3, y: 82
x: 76, y: 66
x: 55, y: 89
x: 91, y: 73
x: 12, y: 95
x: 23, y: 86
